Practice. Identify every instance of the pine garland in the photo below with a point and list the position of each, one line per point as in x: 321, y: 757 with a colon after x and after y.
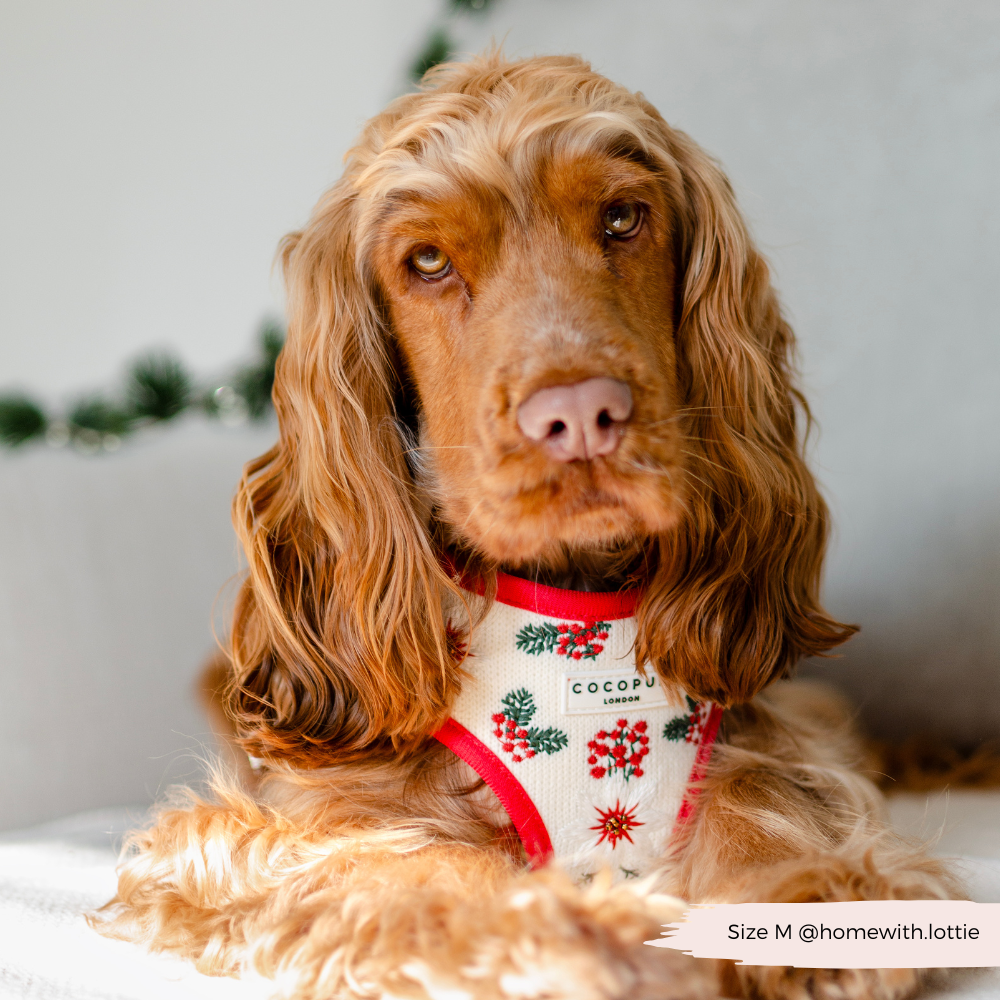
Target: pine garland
x: 157, y: 388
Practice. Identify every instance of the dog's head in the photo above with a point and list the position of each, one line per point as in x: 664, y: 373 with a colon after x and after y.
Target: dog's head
x: 528, y: 324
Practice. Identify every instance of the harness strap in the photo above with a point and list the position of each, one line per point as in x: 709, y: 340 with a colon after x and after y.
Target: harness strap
x: 700, y: 768
x: 522, y: 811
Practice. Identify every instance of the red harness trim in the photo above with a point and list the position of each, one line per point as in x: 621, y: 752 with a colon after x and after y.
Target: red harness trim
x: 556, y: 603
x: 553, y: 602
x: 700, y: 767
x: 522, y: 811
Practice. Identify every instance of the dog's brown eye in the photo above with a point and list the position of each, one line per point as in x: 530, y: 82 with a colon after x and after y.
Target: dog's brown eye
x: 431, y: 262
x: 621, y: 218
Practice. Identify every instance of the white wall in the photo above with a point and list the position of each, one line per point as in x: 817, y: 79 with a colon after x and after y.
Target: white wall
x: 109, y: 570
x: 156, y: 152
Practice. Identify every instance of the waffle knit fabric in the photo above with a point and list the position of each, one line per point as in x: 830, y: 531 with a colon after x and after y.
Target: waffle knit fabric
x: 591, y: 760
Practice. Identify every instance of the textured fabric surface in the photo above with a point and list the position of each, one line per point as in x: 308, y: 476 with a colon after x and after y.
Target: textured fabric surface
x: 51, y: 875
x: 604, y: 755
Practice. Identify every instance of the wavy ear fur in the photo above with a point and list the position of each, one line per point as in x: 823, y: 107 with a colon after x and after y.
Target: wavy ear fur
x: 338, y: 641
x: 733, y: 599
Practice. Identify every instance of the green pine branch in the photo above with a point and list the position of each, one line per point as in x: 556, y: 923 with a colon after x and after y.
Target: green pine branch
x: 676, y: 729
x: 436, y: 50
x: 159, y: 387
x: 439, y: 45
x: 537, y: 639
x: 21, y: 419
x: 254, y: 383
x: 519, y: 706
x: 548, y: 740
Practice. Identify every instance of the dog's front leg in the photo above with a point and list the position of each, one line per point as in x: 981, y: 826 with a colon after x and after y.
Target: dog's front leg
x: 380, y: 913
x: 450, y: 922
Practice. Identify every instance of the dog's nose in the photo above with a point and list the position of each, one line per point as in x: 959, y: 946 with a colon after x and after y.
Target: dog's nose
x: 579, y: 421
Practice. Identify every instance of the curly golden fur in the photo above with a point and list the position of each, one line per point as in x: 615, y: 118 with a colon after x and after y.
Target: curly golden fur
x: 366, y: 861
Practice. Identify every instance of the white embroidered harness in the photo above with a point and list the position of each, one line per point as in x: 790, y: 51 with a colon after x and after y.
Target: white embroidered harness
x: 590, y: 759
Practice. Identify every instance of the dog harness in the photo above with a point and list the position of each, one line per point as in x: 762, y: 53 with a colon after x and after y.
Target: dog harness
x: 592, y: 761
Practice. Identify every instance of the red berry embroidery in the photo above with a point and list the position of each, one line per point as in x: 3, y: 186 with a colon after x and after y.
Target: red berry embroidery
x: 577, y: 640
x: 517, y: 740
x: 616, y: 824
x: 620, y: 751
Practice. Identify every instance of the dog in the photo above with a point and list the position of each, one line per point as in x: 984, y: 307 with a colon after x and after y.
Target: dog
x: 532, y: 351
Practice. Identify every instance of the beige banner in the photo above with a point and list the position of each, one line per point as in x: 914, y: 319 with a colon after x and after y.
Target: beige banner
x: 883, y: 934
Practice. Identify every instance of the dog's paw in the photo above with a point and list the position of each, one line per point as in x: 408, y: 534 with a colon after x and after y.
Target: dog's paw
x: 766, y: 982
x: 550, y: 941
x: 558, y: 974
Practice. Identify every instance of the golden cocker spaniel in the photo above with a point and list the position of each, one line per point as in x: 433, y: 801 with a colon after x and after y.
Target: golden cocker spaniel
x: 535, y: 369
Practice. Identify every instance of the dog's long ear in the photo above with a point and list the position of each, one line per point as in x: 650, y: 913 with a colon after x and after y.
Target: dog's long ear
x: 339, y: 645
x: 733, y: 601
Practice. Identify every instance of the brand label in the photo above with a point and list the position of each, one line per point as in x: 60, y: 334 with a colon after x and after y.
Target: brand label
x: 588, y: 692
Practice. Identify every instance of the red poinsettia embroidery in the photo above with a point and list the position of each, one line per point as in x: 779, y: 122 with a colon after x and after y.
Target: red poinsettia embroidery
x: 578, y: 640
x: 516, y: 739
x: 616, y: 824
x: 691, y: 727
x: 620, y: 751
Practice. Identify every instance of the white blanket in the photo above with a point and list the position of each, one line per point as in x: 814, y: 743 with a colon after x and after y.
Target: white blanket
x: 52, y: 874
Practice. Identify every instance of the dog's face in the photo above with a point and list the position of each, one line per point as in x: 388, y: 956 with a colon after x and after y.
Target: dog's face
x: 559, y: 274
x: 528, y: 324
